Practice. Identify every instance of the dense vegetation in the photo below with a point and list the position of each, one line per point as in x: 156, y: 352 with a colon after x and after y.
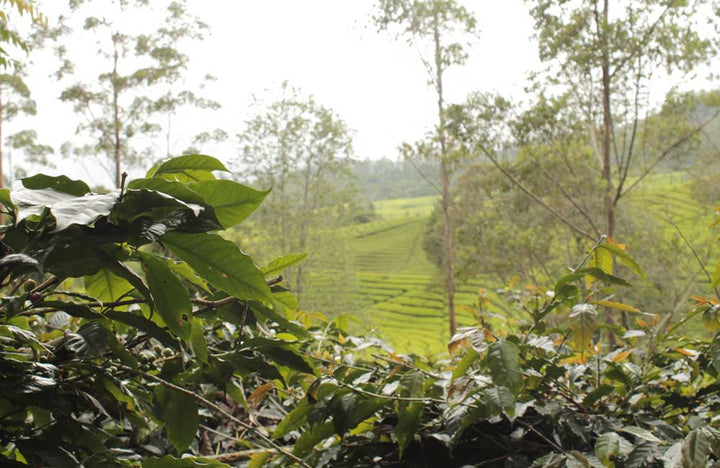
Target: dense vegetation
x: 534, y: 284
x: 133, y: 333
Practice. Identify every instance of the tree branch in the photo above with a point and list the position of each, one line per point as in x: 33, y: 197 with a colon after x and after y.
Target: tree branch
x: 535, y: 198
x: 667, y: 151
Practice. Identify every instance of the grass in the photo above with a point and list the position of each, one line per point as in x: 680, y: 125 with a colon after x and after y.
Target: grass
x: 403, y: 208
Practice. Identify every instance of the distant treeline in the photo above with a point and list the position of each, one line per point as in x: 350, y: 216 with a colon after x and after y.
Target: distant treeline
x: 384, y: 178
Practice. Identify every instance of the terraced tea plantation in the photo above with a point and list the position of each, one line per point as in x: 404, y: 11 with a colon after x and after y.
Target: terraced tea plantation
x: 399, y: 290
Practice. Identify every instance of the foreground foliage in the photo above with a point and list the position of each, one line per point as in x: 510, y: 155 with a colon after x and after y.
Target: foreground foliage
x: 132, y: 333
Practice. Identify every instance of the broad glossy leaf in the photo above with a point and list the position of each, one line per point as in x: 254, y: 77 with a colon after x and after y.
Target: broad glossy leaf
x: 232, y: 201
x: 616, y: 305
x: 180, y: 415
x: 641, y: 433
x: 293, y: 420
x: 284, y: 299
x: 197, y: 340
x: 606, y: 446
x: 90, y: 341
x: 624, y: 258
x: 138, y: 203
x: 639, y: 455
x: 583, y: 323
x: 221, y: 263
x: 499, y: 399
x: 277, y: 266
x: 503, y: 361
x: 65, y: 208
x: 189, y: 168
x: 73, y: 259
x: 695, y: 449
x: 464, y: 364
x: 62, y: 183
x: 19, y: 260
x: 408, y: 421
x: 263, y: 313
x: 311, y: 437
x: 106, y: 286
x: 351, y: 409
x: 281, y: 352
x: 602, y: 259
x: 174, y: 189
x: 171, y: 298
x: 715, y: 277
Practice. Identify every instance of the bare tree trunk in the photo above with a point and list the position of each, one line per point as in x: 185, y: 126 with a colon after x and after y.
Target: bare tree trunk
x: 608, y: 201
x: 116, y: 116
x: 445, y: 181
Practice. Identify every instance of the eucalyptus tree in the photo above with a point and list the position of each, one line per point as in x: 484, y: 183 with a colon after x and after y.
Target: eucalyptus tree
x: 606, y: 57
x: 436, y: 26
x: 15, y: 96
x: 301, y: 149
x: 140, y: 73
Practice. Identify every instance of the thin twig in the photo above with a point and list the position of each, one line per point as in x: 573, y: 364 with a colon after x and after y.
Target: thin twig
x: 530, y: 194
x: 541, y: 435
x: 695, y: 254
x: 408, y: 365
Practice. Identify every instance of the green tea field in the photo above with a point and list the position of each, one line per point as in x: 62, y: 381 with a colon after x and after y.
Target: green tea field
x: 400, y: 292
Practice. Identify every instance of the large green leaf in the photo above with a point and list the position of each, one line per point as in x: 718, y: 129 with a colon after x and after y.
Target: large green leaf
x: 695, y: 449
x: 623, y: 257
x: 716, y: 276
x: 137, y: 203
x: 281, y: 264
x: 499, y: 399
x: 350, y: 409
x: 503, y: 361
x: 171, y: 298
x: 89, y: 342
x: 221, y: 263
x: 61, y: 183
x: 106, y: 286
x: 190, y: 168
x: 641, y: 433
x: 180, y: 415
x: 311, y: 437
x: 409, y: 413
x: 73, y: 259
x: 294, y: 419
x: 264, y: 313
x: 174, y: 189
x: 583, y: 323
x: 232, y: 201
x: 65, y: 208
x: 606, y: 446
x: 198, y: 342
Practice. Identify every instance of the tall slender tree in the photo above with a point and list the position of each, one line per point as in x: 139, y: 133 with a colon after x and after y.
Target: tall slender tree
x: 437, y: 24
x: 608, y: 56
x: 302, y: 151
x: 137, y: 91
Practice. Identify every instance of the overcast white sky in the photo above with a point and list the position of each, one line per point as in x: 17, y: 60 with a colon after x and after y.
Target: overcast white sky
x: 329, y: 49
